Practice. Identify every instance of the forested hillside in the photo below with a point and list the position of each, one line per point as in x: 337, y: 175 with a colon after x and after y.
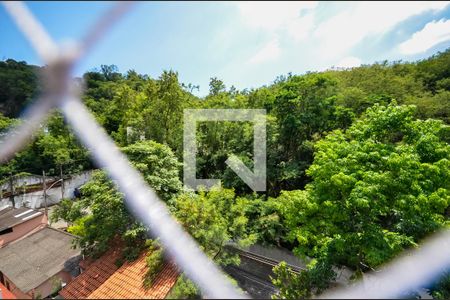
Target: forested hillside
x: 358, y: 162
x: 18, y: 86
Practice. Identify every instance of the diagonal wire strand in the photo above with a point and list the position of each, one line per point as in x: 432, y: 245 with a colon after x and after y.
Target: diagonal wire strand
x: 397, y: 278
x: 407, y: 273
x: 18, y: 137
x: 142, y: 199
x: 104, y: 23
x: 145, y: 204
x: 32, y: 30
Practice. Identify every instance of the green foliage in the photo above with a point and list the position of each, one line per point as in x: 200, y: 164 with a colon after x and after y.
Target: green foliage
x: 68, y: 210
x: 108, y: 217
x: 441, y: 290
x: 18, y: 86
x: 136, y: 106
x: 101, y: 215
x: 55, y: 146
x: 378, y: 83
x: 216, y: 86
x: 6, y: 123
x: 159, y: 112
x: 184, y: 289
x: 378, y: 188
x: 217, y: 141
x: 353, y: 179
x: 59, y: 146
x: 436, y: 106
x: 56, y: 285
x: 264, y: 219
x: 155, y: 262
x: 214, y: 218
x: 383, y: 185
x: 301, y: 285
x: 36, y: 295
x: 301, y: 110
x: 434, y: 71
x: 305, y: 107
x: 158, y: 165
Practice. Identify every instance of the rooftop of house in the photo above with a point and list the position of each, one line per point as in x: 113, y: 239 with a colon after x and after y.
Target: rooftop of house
x: 128, y: 282
x: 5, y: 293
x: 31, y: 261
x: 97, y: 282
x: 10, y: 217
x: 96, y: 273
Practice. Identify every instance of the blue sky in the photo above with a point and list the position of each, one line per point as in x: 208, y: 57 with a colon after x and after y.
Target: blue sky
x: 246, y: 44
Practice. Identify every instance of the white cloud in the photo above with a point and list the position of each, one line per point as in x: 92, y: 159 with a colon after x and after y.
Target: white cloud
x: 273, y: 16
x: 343, y: 31
x: 348, y: 62
x: 298, y: 37
x: 269, y: 52
x: 432, y: 34
x: 300, y: 28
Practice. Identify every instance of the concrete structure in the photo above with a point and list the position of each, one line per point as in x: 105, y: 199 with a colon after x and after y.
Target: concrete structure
x: 35, y: 199
x: 25, y: 180
x: 39, y: 264
x: 16, y: 223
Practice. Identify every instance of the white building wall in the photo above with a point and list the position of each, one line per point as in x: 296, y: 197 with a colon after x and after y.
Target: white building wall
x: 36, y: 199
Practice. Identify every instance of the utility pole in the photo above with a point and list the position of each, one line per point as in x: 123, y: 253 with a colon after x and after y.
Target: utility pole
x: 45, y: 193
x: 24, y: 189
x: 11, y: 190
x: 62, y: 181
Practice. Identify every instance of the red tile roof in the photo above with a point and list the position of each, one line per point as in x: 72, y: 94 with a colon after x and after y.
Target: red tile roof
x: 93, y: 277
x: 128, y: 282
x: 85, y: 263
x: 6, y: 294
x: 104, y: 280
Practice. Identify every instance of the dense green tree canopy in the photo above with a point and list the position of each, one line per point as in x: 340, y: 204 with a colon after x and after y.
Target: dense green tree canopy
x: 377, y: 188
x: 357, y: 162
x: 214, y: 219
x: 101, y: 215
x: 18, y: 86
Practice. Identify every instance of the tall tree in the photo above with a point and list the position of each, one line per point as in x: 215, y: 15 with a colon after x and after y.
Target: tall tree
x: 305, y: 109
x: 101, y: 215
x: 377, y: 188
